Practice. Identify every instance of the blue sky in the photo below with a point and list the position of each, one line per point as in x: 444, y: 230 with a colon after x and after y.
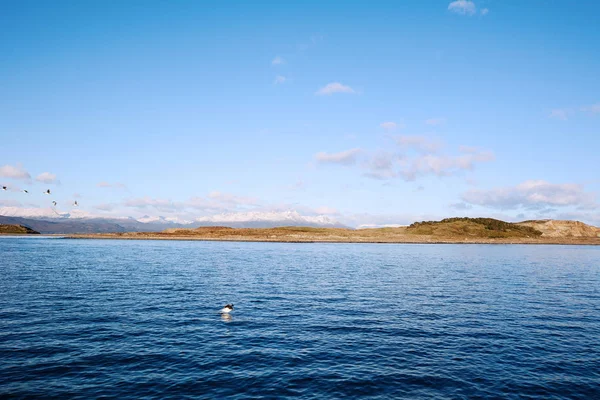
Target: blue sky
x: 378, y: 112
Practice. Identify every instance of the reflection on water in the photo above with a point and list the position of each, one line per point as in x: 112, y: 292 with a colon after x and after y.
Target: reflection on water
x: 226, y: 317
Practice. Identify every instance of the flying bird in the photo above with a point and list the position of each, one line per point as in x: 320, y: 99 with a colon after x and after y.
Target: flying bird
x: 75, y: 203
x: 227, y: 309
x: 3, y: 187
x: 47, y: 191
x: 25, y: 191
x: 54, y: 203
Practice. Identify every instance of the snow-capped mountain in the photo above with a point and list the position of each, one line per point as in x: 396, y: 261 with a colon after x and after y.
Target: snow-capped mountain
x: 146, y: 219
x: 31, y: 212
x: 272, y: 218
x: 49, y: 213
x: 49, y: 220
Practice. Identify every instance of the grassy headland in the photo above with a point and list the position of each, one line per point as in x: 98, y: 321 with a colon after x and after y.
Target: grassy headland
x: 16, y: 230
x: 451, y: 230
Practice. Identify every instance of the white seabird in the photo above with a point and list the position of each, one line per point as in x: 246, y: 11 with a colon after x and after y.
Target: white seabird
x: 227, y: 309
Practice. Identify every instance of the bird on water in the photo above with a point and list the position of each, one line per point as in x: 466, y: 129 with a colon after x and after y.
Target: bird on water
x: 227, y: 309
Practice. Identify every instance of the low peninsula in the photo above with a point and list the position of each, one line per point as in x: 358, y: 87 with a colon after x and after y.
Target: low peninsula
x: 450, y: 230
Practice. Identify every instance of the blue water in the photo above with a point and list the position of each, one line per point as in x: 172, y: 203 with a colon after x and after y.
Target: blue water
x: 131, y: 319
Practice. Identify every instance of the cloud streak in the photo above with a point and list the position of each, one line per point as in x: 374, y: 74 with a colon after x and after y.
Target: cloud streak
x: 532, y: 194
x: 47, y: 177
x: 419, y: 143
x: 115, y: 185
x: 334, y: 87
x: 443, y: 165
x: 347, y: 157
x: 592, y: 109
x: 435, y: 121
x: 463, y: 7
x: 389, y: 126
x: 381, y: 165
x: 14, y: 172
x: 416, y: 156
x: 560, y: 113
x: 565, y: 113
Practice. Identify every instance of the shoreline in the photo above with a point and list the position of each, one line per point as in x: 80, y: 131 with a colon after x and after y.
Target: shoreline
x: 403, y: 240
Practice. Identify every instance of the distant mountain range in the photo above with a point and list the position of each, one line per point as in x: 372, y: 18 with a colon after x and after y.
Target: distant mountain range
x: 47, y: 221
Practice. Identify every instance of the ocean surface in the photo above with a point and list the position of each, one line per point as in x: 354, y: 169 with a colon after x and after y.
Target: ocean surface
x: 140, y: 319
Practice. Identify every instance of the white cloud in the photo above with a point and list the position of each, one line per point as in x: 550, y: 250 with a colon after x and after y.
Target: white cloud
x: 115, y: 185
x: 278, y: 61
x: 565, y: 113
x: 419, y: 143
x: 47, y: 177
x: 280, y: 218
x: 484, y: 11
x: 347, y: 157
x: 381, y: 165
x: 50, y: 213
x: 279, y: 79
x: 463, y: 7
x: 334, y: 87
x: 417, y: 156
x: 213, y: 202
x: 594, y: 108
x: 14, y: 172
x: 533, y: 194
x: 32, y: 212
x: 435, y: 121
x: 443, y: 165
x: 389, y: 125
x: 560, y: 113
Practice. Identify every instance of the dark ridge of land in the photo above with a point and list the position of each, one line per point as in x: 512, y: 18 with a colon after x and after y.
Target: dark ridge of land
x: 478, y: 227
x: 451, y: 230
x: 17, y: 230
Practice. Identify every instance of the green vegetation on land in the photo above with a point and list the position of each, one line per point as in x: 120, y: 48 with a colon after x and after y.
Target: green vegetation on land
x: 476, y: 227
x: 16, y: 229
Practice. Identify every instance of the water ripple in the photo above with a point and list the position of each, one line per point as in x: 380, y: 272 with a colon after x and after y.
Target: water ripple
x: 132, y: 319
